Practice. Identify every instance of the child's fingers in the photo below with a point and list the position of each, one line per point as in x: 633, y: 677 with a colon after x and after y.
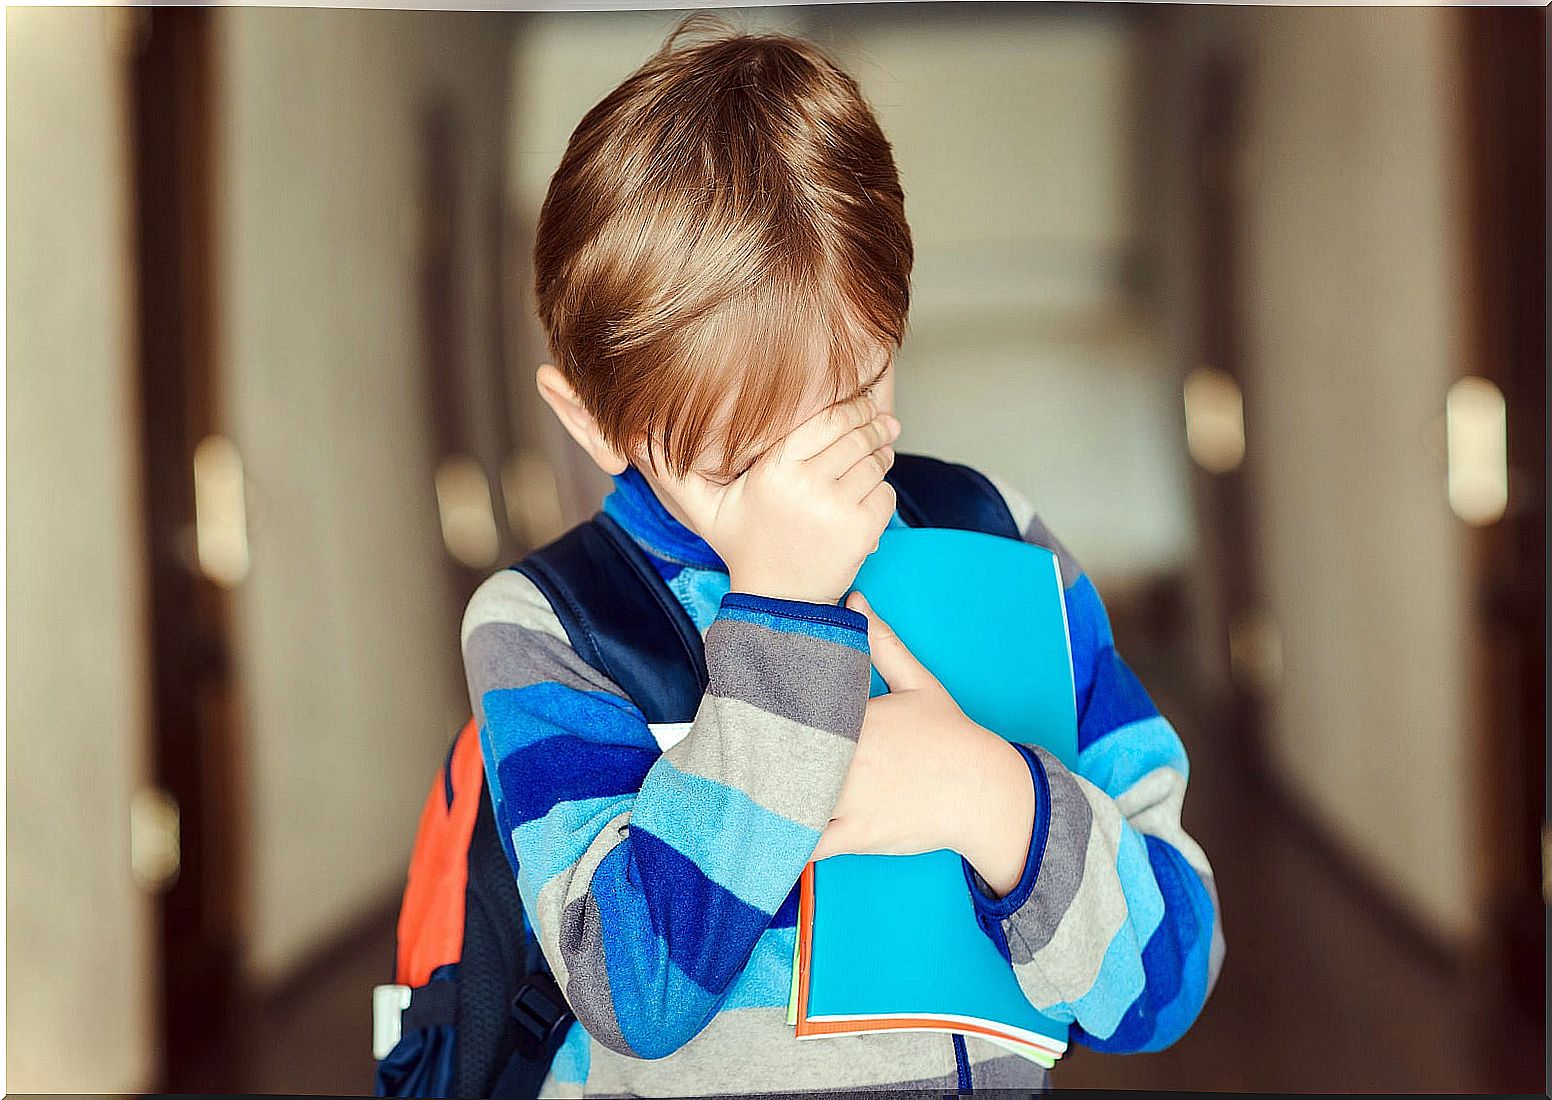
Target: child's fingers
x: 856, y: 445
x: 857, y: 482
x: 825, y: 427
x: 697, y: 494
x: 898, y: 666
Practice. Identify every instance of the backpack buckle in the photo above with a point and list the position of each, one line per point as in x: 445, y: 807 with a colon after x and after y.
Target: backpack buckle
x: 541, y: 1014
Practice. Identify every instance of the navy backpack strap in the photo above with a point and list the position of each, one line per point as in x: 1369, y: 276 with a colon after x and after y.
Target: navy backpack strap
x: 621, y: 617
x: 930, y: 492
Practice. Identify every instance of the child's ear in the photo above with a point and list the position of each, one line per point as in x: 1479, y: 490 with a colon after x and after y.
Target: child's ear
x: 574, y: 417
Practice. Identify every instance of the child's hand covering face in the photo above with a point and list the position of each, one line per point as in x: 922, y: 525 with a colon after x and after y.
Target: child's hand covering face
x: 798, y: 523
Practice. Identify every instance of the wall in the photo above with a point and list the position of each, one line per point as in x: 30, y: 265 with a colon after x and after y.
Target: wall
x: 347, y: 624
x: 78, y: 928
x: 1032, y: 350
x: 1027, y: 353
x: 1353, y: 297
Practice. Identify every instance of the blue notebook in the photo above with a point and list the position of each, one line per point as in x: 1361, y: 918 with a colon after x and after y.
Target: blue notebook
x: 891, y: 942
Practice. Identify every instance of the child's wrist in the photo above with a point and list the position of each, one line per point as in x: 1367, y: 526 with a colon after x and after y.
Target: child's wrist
x: 998, y: 813
x: 775, y: 589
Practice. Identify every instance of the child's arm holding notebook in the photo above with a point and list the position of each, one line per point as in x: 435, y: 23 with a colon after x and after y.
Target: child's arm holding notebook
x: 1115, y: 922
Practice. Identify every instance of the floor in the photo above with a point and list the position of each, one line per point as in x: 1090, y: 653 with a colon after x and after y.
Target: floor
x: 1320, y: 991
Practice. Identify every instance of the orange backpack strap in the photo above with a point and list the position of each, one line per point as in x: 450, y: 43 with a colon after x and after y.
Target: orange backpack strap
x: 431, y: 919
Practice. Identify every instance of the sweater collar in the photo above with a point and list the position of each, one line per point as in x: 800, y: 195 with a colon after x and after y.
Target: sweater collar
x: 634, y: 506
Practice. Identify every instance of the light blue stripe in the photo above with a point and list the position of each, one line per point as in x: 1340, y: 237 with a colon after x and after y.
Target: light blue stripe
x: 1127, y: 753
x: 1121, y: 981
x: 714, y: 826
x: 840, y: 635
x: 549, y: 845
x: 574, y: 1058
x: 1121, y: 977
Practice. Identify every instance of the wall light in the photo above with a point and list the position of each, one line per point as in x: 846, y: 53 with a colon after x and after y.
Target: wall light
x: 1477, y: 441
x: 463, y: 504
x: 532, y: 497
x: 220, y: 511
x: 1215, y: 420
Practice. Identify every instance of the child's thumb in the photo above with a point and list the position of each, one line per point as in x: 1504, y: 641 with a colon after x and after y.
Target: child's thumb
x: 895, y: 663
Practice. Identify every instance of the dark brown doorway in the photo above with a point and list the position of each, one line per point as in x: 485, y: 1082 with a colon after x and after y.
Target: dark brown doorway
x: 1505, y: 132
x: 193, y: 737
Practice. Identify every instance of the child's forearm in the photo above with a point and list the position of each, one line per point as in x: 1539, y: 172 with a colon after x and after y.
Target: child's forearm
x: 651, y: 879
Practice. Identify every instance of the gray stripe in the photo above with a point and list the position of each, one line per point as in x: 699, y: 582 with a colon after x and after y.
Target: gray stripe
x: 1217, y: 946
x: 1061, y: 867
x: 1039, y: 534
x: 1005, y: 1071
x: 752, y: 1050
x: 504, y: 655
x: 1067, y: 967
x: 789, y: 769
x: 587, y: 991
x: 816, y: 682
x: 509, y: 597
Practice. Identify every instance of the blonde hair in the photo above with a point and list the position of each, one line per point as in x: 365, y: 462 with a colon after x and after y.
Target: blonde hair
x: 718, y: 220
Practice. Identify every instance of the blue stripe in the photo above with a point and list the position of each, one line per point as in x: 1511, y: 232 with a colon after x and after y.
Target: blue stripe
x: 718, y: 828
x: 670, y: 949
x: 520, y: 716
x: 1115, y: 698
x: 805, y: 610
x: 540, y: 777
x: 840, y: 635
x: 787, y: 915
x: 1122, y: 977
x: 1115, y: 761
x: 766, y: 982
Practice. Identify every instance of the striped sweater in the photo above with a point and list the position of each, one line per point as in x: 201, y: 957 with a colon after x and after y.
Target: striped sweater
x: 658, y: 865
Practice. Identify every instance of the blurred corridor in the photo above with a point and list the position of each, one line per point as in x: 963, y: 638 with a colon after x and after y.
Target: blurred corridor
x: 1248, y: 301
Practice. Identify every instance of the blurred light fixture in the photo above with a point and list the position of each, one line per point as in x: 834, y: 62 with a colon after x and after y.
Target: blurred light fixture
x: 532, y: 497
x: 155, y: 843
x: 1477, y: 444
x: 220, y: 511
x: 1215, y: 420
x: 468, y: 520
x: 1256, y: 653
x: 1546, y: 863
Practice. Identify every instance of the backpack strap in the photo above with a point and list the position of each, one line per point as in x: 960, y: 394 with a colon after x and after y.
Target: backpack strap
x: 621, y: 617
x: 930, y: 492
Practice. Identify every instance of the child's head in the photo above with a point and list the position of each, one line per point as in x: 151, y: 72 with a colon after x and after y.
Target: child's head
x: 722, y: 252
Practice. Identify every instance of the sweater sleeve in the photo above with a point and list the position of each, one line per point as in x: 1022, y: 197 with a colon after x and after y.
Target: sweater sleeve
x: 1115, y: 925
x: 649, y: 875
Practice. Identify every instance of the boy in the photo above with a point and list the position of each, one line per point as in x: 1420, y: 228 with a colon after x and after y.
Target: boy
x: 722, y: 267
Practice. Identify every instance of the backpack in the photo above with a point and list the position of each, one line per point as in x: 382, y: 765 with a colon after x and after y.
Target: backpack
x: 473, y: 1010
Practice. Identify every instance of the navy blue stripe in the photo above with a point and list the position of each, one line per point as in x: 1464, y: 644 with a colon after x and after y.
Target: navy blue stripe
x: 709, y: 930
x: 538, y: 777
